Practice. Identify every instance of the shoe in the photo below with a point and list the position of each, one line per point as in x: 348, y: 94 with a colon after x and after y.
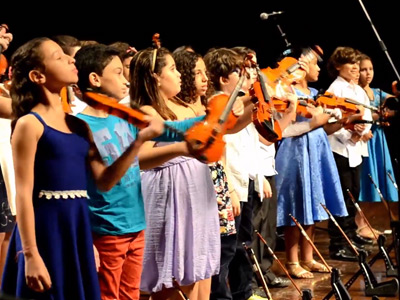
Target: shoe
x: 256, y: 297
x: 296, y: 271
x: 279, y: 282
x: 362, y: 240
x: 344, y: 254
x: 365, y: 232
x: 259, y: 292
x: 314, y: 266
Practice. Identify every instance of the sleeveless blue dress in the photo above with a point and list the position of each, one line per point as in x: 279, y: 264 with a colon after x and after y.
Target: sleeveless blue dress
x: 378, y: 163
x: 307, y: 176
x: 62, y: 225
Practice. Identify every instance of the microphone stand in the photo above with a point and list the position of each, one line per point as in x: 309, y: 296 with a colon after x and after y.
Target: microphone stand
x: 381, y: 43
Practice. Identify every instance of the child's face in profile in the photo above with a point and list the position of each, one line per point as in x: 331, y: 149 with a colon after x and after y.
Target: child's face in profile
x: 201, y: 79
x: 113, y: 81
x: 60, y: 69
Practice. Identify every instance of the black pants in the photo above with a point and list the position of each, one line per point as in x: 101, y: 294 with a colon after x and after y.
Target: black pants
x: 350, y: 180
x: 264, y: 221
x: 240, y: 268
x: 219, y: 283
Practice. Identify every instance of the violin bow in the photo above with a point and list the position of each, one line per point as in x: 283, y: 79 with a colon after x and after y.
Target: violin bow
x: 304, y: 233
x: 391, y: 216
x: 271, y: 252
x: 340, y: 229
x: 178, y: 288
x: 361, y: 213
x: 392, y: 180
x: 257, y: 269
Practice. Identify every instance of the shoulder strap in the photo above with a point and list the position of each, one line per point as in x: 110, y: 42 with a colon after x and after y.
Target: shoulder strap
x: 38, y: 117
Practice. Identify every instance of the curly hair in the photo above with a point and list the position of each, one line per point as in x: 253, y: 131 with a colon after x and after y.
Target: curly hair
x: 25, y: 94
x: 186, y: 63
x: 340, y: 57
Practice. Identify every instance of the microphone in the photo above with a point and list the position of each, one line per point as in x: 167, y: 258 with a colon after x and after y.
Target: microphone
x: 265, y: 16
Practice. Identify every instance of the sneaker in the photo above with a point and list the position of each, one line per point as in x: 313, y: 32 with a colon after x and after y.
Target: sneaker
x: 256, y: 297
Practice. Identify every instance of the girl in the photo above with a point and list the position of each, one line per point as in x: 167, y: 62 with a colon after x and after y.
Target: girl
x: 182, y: 237
x: 306, y: 169
x: 378, y: 162
x: 52, y: 153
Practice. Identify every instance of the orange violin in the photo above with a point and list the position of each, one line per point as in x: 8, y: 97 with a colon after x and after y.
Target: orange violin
x: 110, y: 105
x: 287, y: 73
x: 205, y: 138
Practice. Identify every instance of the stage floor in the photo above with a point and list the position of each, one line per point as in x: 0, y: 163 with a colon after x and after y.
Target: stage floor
x: 320, y: 285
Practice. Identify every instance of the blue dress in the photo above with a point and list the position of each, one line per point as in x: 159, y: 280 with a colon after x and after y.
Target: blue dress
x: 62, y: 225
x: 378, y: 163
x: 307, y: 176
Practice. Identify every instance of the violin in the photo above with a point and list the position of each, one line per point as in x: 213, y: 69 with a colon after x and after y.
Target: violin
x: 285, y: 74
x: 262, y: 116
x: 111, y: 106
x: 205, y: 138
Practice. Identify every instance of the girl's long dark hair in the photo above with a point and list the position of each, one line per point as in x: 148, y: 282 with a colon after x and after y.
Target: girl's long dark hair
x: 24, y: 93
x: 143, y: 85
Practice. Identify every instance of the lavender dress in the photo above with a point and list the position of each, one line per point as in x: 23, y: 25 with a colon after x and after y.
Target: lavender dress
x: 182, y: 235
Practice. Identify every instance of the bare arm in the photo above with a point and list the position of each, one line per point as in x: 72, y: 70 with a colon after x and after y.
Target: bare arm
x: 150, y: 156
x: 106, y: 177
x: 5, y: 107
x: 24, y: 144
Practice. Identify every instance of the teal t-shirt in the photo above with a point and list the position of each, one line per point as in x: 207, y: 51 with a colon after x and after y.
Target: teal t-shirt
x: 121, y: 210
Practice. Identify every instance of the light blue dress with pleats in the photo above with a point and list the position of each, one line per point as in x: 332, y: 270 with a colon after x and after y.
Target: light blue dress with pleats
x: 307, y: 176
x: 378, y: 163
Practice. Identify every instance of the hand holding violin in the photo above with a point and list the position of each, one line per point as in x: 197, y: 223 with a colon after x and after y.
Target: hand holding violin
x: 154, y: 129
x: 5, y: 37
x: 366, y: 137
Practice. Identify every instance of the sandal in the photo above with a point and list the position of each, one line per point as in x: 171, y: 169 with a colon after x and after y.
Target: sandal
x: 314, y: 266
x: 365, y: 232
x: 296, y: 271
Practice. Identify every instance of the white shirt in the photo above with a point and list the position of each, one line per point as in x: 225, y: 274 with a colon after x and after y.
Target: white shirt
x: 267, y: 159
x: 340, y: 140
x: 77, y: 106
x: 6, y: 162
x: 241, y: 154
x: 126, y: 101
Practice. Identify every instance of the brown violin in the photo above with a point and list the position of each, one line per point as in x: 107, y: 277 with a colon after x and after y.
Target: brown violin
x: 205, y: 138
x: 262, y: 117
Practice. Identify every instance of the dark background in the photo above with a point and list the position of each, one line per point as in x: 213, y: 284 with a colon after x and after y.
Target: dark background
x: 206, y: 24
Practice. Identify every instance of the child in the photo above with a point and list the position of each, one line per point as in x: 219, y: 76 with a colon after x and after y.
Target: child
x: 307, y: 176
x: 378, y: 163
x: 117, y: 216
x: 52, y: 153
x: 182, y: 239
x: 347, y: 147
